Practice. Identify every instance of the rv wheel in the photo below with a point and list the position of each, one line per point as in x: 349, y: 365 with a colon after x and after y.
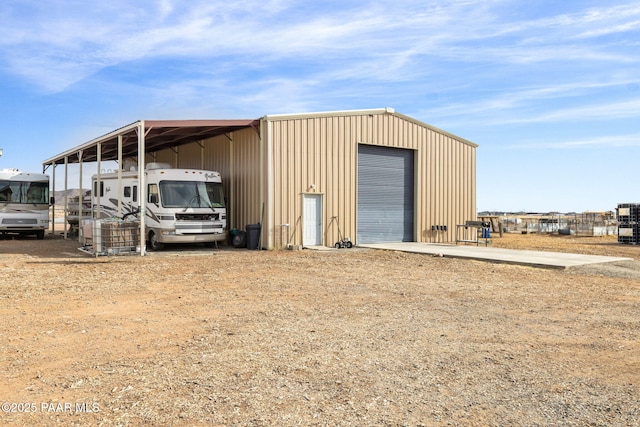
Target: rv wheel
x: 40, y: 235
x: 154, y: 245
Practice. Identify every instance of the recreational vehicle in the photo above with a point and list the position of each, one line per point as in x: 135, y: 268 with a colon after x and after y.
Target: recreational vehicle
x: 182, y: 205
x: 24, y: 202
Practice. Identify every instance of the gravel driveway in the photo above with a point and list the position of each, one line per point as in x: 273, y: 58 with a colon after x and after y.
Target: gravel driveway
x: 341, y: 337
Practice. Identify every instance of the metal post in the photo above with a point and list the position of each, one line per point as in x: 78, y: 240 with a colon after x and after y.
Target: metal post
x: 232, y: 196
x: 142, y: 199
x: 66, y: 185
x: 53, y: 190
x: 80, y: 198
x: 98, y: 177
x: 120, y: 174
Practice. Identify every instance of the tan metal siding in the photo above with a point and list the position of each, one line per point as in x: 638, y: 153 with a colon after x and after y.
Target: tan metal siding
x: 189, y: 156
x: 217, y: 157
x: 322, y: 150
x: 166, y: 156
x: 236, y: 156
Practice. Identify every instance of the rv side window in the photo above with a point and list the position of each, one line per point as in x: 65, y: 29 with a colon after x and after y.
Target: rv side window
x: 152, y: 193
x: 127, y: 191
x: 95, y: 188
x: 135, y: 193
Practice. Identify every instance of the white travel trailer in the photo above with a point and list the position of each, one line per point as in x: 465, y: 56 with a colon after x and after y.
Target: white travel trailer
x: 24, y: 202
x: 182, y: 206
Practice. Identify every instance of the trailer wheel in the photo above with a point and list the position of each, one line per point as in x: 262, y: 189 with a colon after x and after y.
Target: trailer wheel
x: 154, y: 245
x: 40, y: 234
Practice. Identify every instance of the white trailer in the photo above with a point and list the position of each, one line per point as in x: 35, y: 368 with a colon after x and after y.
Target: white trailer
x: 182, y: 206
x: 24, y: 202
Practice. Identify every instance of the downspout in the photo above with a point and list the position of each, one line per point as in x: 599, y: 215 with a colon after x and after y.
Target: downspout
x: 262, y: 178
x: 201, y: 144
x: 269, y: 166
x: 265, y: 178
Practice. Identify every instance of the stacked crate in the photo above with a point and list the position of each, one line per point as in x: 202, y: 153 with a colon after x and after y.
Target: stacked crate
x: 628, y: 223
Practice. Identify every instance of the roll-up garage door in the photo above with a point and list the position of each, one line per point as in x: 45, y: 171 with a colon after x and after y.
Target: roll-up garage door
x: 385, y: 194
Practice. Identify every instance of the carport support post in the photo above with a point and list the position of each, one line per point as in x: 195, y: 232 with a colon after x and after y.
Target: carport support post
x: 120, y: 174
x: 53, y: 208
x: 66, y: 197
x: 98, y: 177
x: 142, y: 200
x: 80, y: 198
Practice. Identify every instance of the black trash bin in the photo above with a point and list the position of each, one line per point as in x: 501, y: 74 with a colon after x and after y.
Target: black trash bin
x: 253, y: 236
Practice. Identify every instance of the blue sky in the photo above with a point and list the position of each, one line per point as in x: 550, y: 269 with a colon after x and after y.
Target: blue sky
x: 549, y: 90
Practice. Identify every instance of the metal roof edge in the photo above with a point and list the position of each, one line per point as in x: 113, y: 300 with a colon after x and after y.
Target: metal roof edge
x: 201, y: 122
x: 436, y: 129
x: 150, y: 124
x: 328, y: 114
x: 88, y: 144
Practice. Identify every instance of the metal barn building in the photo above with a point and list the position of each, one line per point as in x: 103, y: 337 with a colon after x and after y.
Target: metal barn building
x: 373, y: 175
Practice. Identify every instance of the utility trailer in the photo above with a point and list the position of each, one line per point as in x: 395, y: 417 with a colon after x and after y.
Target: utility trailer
x: 182, y: 206
x: 24, y: 202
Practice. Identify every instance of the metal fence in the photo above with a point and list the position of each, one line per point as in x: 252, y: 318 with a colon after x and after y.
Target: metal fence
x: 582, y: 224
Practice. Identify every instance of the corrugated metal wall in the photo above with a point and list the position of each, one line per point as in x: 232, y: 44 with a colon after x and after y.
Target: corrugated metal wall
x: 244, y: 178
x: 318, y: 154
x: 236, y: 156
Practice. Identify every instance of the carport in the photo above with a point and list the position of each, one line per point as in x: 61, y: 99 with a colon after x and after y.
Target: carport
x: 147, y: 137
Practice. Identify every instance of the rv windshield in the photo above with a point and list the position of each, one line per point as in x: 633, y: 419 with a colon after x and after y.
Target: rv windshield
x: 24, y: 192
x: 191, y: 194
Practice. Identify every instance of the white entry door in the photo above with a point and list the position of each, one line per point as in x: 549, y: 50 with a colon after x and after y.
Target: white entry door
x: 312, y: 219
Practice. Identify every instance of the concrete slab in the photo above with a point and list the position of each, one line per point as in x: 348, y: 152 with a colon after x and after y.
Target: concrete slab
x: 511, y: 256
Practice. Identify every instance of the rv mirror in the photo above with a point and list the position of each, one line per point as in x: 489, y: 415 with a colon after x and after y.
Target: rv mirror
x: 52, y: 200
x: 153, y: 198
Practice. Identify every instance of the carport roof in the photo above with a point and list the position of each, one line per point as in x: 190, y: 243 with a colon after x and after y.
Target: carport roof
x: 159, y: 134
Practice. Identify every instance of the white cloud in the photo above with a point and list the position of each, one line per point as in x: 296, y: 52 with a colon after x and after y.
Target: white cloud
x: 545, y: 103
x: 63, y: 43
x: 606, y: 141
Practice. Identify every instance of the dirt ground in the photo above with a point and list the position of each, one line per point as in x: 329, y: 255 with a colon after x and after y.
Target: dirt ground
x: 195, y: 337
